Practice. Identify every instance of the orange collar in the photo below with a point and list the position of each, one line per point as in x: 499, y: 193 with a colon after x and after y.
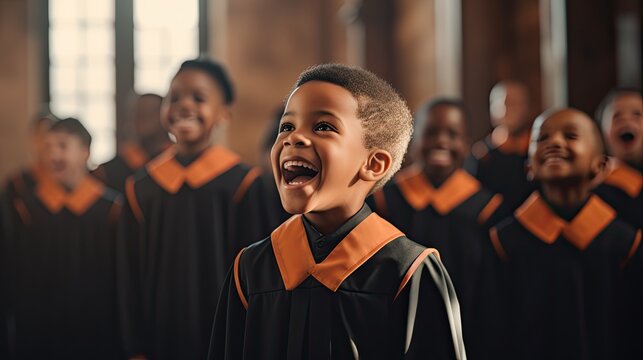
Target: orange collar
x: 419, y: 193
x: 133, y: 155
x: 54, y: 197
x: 296, y: 261
x: 170, y: 174
x: 536, y: 216
x: 626, y: 178
x: 517, y: 145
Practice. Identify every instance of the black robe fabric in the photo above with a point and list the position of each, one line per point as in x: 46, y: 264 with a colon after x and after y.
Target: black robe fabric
x: 569, y: 287
x: 184, y: 221
x: 454, y: 219
x: 113, y: 173
x: 621, y: 189
x: 502, y: 169
x: 59, y: 251
x: 365, y: 291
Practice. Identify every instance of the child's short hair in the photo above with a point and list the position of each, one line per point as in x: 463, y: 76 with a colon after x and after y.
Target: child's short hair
x: 535, y: 130
x: 420, y: 115
x: 74, y: 127
x: 609, y: 99
x: 385, y: 118
x: 216, y: 71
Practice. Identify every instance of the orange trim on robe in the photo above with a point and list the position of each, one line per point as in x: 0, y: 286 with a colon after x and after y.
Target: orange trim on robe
x: 247, y: 181
x: 536, y: 216
x: 296, y: 262
x: 419, y: 192
x: 133, y: 155
x: 130, y: 193
x: 489, y: 209
x: 627, y: 179
x: 237, y: 282
x: 414, y: 266
x: 171, y: 175
x: 55, y: 198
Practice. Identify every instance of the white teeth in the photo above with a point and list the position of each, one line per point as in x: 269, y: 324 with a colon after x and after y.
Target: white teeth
x: 292, y: 163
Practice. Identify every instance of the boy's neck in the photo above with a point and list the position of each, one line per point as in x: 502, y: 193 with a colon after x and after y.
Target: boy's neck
x: 437, y: 179
x: 72, y: 181
x: 566, y: 196
x: 326, y: 222
x: 192, y: 149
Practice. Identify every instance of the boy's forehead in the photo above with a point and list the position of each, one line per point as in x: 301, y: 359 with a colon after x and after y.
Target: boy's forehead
x: 316, y: 95
x: 567, y: 117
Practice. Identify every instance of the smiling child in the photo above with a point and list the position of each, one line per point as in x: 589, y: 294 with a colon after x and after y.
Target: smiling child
x: 571, y: 266
x: 336, y: 280
x: 190, y: 210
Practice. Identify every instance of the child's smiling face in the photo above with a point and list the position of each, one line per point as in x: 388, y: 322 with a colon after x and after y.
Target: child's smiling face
x: 320, y: 150
x: 565, y: 149
x: 623, y: 128
x: 443, y: 141
x: 193, y: 106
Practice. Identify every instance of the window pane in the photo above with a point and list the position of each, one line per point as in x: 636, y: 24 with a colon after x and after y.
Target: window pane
x: 165, y: 34
x: 82, y: 68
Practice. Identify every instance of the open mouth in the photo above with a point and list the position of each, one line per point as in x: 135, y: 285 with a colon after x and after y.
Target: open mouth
x: 439, y: 157
x: 297, y: 172
x: 627, y: 137
x: 555, y: 157
x: 184, y: 120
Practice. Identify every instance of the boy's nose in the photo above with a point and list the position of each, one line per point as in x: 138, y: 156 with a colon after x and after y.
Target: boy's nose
x: 296, y: 139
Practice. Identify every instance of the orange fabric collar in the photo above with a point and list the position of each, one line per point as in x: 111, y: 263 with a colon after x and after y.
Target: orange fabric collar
x: 296, y: 261
x: 516, y: 145
x: 627, y: 179
x: 133, y: 155
x: 419, y: 193
x: 536, y: 216
x: 54, y: 197
x: 170, y: 174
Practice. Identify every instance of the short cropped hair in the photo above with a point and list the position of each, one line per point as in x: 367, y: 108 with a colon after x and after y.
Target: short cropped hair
x: 419, y: 122
x: 74, y: 127
x: 608, y: 100
x: 599, y: 141
x: 385, y: 118
x: 216, y: 71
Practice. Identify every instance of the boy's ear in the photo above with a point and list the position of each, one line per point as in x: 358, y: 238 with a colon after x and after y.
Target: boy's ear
x: 377, y: 165
x: 225, y: 115
x: 598, y: 165
x: 529, y: 170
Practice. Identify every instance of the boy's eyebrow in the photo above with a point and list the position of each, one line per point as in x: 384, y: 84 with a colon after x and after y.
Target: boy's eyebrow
x: 317, y: 112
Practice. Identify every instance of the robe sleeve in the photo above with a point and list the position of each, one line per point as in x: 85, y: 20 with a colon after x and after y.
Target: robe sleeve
x: 433, y: 328
x: 226, y: 341
x: 129, y: 277
x: 249, y: 221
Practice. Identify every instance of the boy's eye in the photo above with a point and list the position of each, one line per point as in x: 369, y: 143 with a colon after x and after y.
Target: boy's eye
x: 571, y: 135
x: 174, y: 98
x: 198, y: 98
x: 323, y: 126
x: 286, y: 127
x: 542, y: 137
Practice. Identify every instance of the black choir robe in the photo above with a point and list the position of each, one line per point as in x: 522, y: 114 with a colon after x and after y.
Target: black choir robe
x: 501, y: 168
x: 61, y: 288
x: 452, y: 218
x: 365, y: 291
x: 569, y: 286
x: 181, y: 228
x: 113, y: 173
x: 621, y: 189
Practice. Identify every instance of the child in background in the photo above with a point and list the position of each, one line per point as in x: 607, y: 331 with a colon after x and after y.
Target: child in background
x: 151, y: 140
x: 499, y: 161
x: 621, y: 119
x: 188, y: 212
x: 438, y: 204
x: 570, y: 265
x: 60, y: 251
